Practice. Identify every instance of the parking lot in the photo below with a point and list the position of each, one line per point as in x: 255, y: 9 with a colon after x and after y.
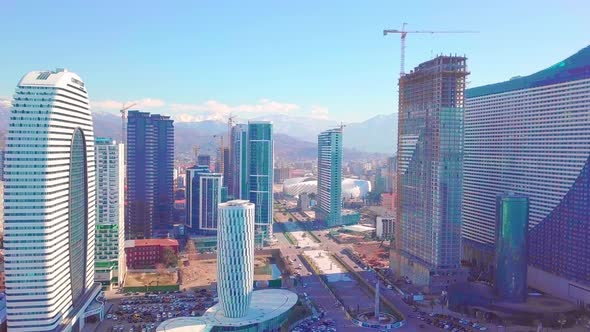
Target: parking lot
x: 144, y: 312
x: 315, y: 324
x: 449, y: 323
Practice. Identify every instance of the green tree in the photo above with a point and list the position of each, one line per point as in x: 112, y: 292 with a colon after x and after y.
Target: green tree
x: 169, y: 257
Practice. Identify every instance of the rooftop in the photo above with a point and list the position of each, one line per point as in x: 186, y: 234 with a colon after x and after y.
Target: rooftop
x: 236, y: 202
x: 576, y: 67
x: 265, y: 305
x: 358, y: 228
x: 150, y: 242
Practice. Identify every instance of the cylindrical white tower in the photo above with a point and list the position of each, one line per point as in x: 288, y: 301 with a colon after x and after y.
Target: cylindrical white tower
x: 235, y: 257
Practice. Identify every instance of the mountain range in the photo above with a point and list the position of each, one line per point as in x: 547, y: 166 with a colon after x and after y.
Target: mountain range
x: 295, y: 137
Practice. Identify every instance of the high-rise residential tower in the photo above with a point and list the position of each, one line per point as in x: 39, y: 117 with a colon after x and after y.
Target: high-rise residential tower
x: 329, y: 194
x: 235, y: 261
x: 203, y: 195
x: 260, y: 177
x: 150, y: 173
x: 50, y: 192
x: 110, y: 212
x: 430, y: 168
x: 239, y: 162
x: 531, y: 136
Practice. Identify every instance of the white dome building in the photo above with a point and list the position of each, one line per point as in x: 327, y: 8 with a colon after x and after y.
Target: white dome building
x: 300, y: 185
x: 351, y: 188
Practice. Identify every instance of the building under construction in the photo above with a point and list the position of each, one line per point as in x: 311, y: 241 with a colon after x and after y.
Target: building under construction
x: 429, y: 173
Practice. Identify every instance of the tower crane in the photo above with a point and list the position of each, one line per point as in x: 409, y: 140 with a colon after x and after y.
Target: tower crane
x: 124, y: 121
x: 403, y: 33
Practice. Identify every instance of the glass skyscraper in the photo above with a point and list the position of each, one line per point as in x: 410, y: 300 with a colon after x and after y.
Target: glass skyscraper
x: 239, y: 162
x: 531, y: 136
x: 512, y: 217
x: 50, y: 191
x: 110, y: 211
x: 203, y: 194
x: 260, y: 177
x: 430, y: 147
x: 329, y: 194
x: 150, y: 169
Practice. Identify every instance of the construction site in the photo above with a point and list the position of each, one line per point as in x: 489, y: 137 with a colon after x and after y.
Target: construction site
x: 199, y: 271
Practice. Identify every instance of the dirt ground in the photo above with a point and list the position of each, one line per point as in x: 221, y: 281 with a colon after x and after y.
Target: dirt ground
x: 201, y: 273
x: 280, y: 217
x: 350, y: 238
x: 374, y: 254
x: 135, y: 279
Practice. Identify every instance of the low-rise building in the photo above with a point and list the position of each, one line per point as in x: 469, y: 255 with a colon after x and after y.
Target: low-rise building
x: 142, y: 253
x: 385, y: 227
x: 388, y: 201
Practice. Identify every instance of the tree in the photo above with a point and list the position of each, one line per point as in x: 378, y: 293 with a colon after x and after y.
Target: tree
x: 169, y: 257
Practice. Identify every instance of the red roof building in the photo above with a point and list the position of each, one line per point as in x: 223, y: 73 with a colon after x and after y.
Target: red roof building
x: 148, y: 252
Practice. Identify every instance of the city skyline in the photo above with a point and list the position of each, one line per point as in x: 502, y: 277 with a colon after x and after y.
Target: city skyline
x: 162, y: 178
x: 207, y: 76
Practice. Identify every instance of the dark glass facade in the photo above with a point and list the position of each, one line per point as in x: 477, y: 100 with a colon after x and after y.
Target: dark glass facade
x: 531, y: 135
x: 512, y: 218
x: 78, y: 214
x: 150, y: 167
x: 560, y: 244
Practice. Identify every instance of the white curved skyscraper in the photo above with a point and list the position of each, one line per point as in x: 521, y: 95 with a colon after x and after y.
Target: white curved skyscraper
x: 235, y: 257
x: 49, y: 203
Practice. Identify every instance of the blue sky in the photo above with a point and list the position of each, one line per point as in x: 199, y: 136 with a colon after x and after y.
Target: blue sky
x: 204, y: 59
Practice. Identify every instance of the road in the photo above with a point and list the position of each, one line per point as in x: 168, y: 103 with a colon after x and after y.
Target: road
x: 321, y: 295
x: 314, y: 287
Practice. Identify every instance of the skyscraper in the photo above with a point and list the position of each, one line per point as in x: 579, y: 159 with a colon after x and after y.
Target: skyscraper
x: 329, y: 194
x: 531, y: 136
x: 239, y: 162
x: 49, y: 203
x: 260, y: 177
x: 512, y: 218
x: 150, y: 169
x: 226, y: 167
x: 204, y: 159
x: 235, y: 257
x: 110, y: 212
x: 203, y: 195
x: 430, y: 172
x: 192, y: 195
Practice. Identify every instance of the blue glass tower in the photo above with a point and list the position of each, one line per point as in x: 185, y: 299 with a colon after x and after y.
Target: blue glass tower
x: 512, y: 219
x: 330, y: 177
x: 150, y: 168
x: 203, y: 195
x: 260, y: 177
